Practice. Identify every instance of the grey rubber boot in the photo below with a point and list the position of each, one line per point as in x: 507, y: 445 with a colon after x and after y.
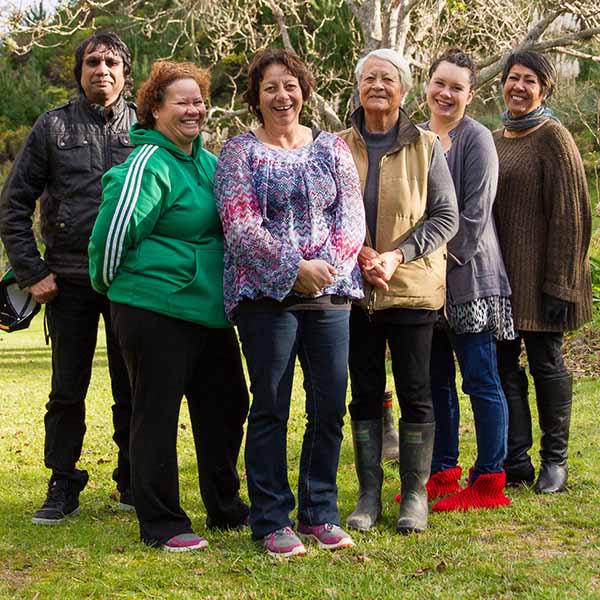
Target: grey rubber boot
x: 554, y: 398
x: 416, y: 449
x: 366, y: 436
x: 391, y: 441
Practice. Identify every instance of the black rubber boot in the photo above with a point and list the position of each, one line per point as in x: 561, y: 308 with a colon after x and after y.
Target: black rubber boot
x: 416, y: 449
x: 391, y: 441
x: 517, y: 465
x: 366, y: 436
x: 554, y: 398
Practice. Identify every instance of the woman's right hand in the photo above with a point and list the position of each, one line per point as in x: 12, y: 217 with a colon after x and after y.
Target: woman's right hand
x: 366, y: 256
x: 314, y: 276
x: 371, y: 267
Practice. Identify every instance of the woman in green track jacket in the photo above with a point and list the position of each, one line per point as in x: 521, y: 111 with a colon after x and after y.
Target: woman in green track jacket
x: 157, y: 251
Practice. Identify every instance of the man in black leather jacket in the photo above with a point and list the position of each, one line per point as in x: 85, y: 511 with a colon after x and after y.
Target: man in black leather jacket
x: 61, y: 163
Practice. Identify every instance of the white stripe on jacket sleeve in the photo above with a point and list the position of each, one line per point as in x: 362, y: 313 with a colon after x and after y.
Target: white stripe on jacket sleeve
x: 123, y: 212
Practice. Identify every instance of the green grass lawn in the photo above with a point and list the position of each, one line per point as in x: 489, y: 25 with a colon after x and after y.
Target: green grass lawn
x: 539, y: 547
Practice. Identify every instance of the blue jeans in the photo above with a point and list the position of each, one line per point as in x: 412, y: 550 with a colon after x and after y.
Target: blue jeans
x: 476, y: 354
x: 271, y: 341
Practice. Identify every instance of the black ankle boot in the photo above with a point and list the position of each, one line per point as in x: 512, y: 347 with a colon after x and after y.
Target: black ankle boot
x: 517, y: 465
x: 416, y: 449
x: 554, y: 398
x: 366, y: 436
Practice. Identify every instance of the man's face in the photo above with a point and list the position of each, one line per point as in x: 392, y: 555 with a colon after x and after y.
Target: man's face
x: 102, y: 77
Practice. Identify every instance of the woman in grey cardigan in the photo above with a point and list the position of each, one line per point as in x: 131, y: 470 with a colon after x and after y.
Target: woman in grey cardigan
x: 478, y: 309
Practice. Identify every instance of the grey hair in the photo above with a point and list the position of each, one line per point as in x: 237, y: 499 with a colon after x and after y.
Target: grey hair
x: 391, y: 56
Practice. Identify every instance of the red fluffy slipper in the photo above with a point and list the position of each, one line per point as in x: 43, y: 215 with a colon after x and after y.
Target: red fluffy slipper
x: 486, y: 492
x: 442, y: 483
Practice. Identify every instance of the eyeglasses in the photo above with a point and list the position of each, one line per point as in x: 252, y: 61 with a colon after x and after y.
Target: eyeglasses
x: 109, y: 61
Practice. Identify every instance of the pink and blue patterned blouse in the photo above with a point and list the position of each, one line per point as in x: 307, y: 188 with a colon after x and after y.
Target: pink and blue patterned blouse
x: 280, y: 206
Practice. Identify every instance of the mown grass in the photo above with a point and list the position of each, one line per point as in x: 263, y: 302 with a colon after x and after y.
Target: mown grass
x: 539, y: 547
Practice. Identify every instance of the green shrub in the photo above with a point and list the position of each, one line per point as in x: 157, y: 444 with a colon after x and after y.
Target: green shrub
x: 25, y: 95
x: 11, y: 141
x: 595, y: 268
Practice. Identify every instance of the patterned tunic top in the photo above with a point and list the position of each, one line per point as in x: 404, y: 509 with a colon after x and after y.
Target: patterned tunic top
x: 280, y: 206
x: 493, y: 313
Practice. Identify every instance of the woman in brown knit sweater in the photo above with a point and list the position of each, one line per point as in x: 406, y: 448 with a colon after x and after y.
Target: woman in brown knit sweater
x: 543, y: 216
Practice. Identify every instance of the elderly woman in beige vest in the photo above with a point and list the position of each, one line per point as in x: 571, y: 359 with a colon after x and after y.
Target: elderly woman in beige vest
x: 411, y: 212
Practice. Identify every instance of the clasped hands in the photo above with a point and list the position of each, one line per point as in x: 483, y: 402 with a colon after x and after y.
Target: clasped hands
x: 378, y: 268
x: 314, y: 276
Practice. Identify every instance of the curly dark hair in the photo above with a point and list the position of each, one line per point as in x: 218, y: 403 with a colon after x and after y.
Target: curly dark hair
x: 458, y: 57
x: 538, y: 63
x: 112, y: 42
x: 264, y: 59
x: 152, y: 92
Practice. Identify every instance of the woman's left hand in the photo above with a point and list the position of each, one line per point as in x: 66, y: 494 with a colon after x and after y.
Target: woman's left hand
x: 390, y: 261
x: 380, y: 269
x: 314, y: 276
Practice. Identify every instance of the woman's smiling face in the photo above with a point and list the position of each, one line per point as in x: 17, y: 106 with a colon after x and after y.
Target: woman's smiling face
x: 280, y: 97
x: 522, y: 91
x: 449, y: 91
x: 380, y: 89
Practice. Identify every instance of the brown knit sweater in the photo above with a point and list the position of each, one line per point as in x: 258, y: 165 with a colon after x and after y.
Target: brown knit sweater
x: 544, y: 220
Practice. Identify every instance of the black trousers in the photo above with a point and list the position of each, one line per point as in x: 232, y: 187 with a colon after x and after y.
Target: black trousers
x: 168, y: 358
x: 73, y: 326
x: 544, y: 354
x: 410, y: 349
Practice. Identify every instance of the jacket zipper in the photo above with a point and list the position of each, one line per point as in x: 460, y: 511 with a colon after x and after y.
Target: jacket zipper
x: 371, y: 303
x: 107, y: 164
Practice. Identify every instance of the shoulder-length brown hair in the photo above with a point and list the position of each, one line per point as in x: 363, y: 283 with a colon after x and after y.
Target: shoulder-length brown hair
x: 152, y: 92
x: 264, y: 59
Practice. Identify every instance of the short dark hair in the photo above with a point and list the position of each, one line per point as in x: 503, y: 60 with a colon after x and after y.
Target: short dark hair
x: 264, y: 59
x: 538, y: 63
x: 113, y: 43
x: 457, y: 57
x: 152, y: 92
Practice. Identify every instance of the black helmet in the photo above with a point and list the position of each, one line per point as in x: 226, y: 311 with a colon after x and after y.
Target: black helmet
x: 17, y: 306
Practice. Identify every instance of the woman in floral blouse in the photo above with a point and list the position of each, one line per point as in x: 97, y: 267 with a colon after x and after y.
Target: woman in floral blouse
x: 291, y: 207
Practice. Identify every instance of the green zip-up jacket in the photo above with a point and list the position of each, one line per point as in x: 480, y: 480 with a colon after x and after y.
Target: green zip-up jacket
x: 157, y: 243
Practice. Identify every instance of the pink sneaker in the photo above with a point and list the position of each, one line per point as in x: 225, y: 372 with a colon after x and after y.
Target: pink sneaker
x: 184, y: 542
x: 283, y: 543
x: 327, y: 535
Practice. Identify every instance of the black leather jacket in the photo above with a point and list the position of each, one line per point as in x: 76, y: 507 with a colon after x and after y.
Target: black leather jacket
x: 61, y: 162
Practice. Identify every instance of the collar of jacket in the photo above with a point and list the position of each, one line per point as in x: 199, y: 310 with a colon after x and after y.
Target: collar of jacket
x: 408, y: 132
x: 117, y: 109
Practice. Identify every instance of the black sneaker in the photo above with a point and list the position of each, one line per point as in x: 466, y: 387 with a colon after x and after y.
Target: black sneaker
x: 126, y: 503
x: 61, y: 502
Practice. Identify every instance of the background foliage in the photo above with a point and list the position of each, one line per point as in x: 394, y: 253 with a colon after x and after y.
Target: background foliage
x: 36, y: 53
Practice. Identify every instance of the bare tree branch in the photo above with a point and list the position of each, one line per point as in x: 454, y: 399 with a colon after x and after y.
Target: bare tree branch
x: 280, y: 18
x: 578, y: 54
x: 546, y: 45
